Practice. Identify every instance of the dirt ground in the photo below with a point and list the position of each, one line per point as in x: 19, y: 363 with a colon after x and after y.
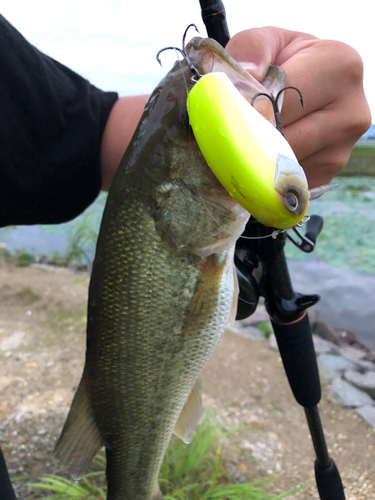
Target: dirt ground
x: 42, y: 345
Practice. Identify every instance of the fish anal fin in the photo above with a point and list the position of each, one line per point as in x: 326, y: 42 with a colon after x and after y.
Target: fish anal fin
x: 190, y: 414
x: 80, y: 439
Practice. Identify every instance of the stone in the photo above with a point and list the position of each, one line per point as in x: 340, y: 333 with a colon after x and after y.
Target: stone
x: 327, y: 375
x: 345, y: 394
x: 352, y: 353
x: 368, y: 413
x: 12, y: 342
x: 364, y: 381
x: 324, y: 331
x: 335, y: 363
x: 365, y: 365
x: 323, y: 346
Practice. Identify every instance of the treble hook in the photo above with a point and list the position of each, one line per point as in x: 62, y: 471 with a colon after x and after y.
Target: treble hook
x: 187, y: 59
x: 185, y: 33
x: 275, y: 105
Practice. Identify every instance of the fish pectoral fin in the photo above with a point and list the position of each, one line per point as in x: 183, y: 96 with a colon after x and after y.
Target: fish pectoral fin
x: 236, y: 292
x: 80, y: 439
x: 190, y: 414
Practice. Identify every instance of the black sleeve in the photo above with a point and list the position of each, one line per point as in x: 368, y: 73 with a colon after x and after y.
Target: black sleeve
x: 51, y: 125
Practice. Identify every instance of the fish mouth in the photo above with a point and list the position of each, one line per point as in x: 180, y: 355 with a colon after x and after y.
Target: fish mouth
x: 214, y: 58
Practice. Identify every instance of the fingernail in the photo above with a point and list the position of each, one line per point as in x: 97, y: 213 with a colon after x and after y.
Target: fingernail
x: 249, y: 66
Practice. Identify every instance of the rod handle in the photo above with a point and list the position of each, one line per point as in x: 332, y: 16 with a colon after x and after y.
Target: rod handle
x: 329, y: 482
x: 299, y: 359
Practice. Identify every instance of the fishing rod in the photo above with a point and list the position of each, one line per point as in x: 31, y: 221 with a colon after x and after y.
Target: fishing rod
x: 262, y: 271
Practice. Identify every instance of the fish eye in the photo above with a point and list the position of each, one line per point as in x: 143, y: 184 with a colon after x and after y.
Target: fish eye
x: 291, y: 201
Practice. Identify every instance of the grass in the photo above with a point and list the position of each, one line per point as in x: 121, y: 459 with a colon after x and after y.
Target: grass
x: 27, y: 296
x: 362, y: 160
x: 189, y: 472
x: 266, y: 328
x: 19, y: 258
x: 348, y: 238
x: 364, y: 148
x: 82, y: 234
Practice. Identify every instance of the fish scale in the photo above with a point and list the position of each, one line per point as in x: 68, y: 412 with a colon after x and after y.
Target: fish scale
x: 144, y: 393
x: 161, y: 294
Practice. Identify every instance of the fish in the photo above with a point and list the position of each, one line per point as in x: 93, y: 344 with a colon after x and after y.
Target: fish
x: 163, y: 288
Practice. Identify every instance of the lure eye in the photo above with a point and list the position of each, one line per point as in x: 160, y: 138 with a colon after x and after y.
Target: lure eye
x: 291, y: 201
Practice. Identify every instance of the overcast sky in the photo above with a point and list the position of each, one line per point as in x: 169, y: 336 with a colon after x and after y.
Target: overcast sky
x: 113, y: 43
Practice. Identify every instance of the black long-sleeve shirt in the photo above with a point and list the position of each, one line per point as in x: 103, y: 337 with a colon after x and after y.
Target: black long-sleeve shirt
x: 51, y: 125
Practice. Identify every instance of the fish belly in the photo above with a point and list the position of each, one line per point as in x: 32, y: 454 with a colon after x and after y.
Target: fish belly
x: 155, y: 317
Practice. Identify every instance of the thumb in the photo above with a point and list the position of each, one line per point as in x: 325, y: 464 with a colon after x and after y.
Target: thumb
x: 253, y: 49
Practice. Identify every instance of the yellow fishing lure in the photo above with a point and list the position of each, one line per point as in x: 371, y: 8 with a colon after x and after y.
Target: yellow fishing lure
x: 247, y: 153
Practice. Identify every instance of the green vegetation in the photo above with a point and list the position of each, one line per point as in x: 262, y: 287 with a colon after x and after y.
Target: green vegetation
x: 362, y: 160
x: 20, y: 258
x: 364, y: 148
x: 82, y: 234
x: 189, y: 472
x: 347, y: 239
x: 27, y: 296
x: 348, y: 236
x: 265, y: 327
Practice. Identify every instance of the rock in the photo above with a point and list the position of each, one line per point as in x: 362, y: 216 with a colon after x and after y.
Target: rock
x: 335, y: 363
x: 365, y: 365
x: 12, y: 342
x: 352, y: 353
x: 323, y: 346
x: 364, y: 381
x: 346, y: 337
x: 347, y: 395
x: 368, y: 413
x: 324, y: 331
x: 327, y: 375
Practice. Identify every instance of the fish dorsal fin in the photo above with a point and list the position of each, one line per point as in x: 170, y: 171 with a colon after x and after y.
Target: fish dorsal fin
x: 80, y: 439
x: 190, y: 414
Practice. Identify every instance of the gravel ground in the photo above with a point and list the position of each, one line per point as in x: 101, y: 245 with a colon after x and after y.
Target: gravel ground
x: 42, y: 343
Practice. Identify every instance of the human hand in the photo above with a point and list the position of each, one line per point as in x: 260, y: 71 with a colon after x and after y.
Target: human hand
x: 330, y: 77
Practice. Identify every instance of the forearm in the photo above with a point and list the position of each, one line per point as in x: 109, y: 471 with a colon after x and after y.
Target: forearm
x: 118, y: 132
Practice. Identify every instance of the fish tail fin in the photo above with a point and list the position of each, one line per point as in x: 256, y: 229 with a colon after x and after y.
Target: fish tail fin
x: 80, y: 439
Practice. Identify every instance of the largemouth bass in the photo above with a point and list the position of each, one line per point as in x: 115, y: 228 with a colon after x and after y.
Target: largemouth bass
x: 162, y: 290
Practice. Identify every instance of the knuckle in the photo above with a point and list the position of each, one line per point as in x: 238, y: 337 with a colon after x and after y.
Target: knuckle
x: 349, y: 62
x: 358, y: 121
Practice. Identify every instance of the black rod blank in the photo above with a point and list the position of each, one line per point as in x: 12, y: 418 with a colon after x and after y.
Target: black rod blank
x: 214, y: 18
